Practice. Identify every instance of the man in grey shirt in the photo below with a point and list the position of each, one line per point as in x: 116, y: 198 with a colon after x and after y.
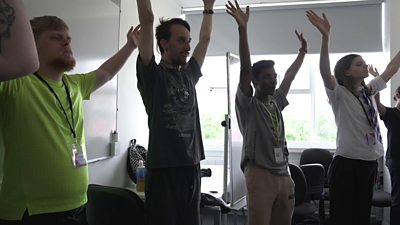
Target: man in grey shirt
x: 270, y: 197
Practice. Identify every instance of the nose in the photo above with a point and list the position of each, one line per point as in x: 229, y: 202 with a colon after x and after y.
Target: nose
x: 187, y: 46
x: 66, y: 41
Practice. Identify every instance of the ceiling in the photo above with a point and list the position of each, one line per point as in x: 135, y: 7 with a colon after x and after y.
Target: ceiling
x: 199, y: 3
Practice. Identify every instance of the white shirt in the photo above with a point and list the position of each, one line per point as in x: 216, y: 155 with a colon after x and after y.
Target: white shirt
x: 353, y: 129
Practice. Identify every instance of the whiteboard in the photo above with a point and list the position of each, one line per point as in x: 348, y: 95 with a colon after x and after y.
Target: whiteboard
x: 234, y: 182
x: 94, y: 28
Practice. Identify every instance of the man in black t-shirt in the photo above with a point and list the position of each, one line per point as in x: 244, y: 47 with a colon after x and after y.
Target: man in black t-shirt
x: 169, y: 96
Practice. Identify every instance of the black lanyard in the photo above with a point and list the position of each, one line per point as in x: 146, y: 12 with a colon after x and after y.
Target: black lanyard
x: 369, y: 102
x: 71, y: 126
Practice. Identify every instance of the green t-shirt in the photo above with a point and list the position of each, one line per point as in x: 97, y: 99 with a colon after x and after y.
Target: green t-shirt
x: 38, y: 171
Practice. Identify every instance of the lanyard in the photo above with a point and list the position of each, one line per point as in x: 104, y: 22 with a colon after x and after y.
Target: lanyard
x: 71, y: 125
x: 369, y: 102
x: 275, y: 117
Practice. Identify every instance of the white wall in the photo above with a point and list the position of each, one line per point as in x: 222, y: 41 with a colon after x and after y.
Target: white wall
x: 131, y: 116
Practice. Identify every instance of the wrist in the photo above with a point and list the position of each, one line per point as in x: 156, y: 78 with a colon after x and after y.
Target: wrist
x: 302, y: 49
x: 208, y: 11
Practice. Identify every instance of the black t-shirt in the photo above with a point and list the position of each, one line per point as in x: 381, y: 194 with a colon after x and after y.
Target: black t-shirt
x: 169, y: 96
x: 392, y: 123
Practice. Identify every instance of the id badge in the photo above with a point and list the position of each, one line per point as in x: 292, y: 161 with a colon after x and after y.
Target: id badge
x: 79, y: 158
x: 278, y: 153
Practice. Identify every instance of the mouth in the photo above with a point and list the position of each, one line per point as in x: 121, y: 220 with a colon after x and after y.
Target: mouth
x: 68, y: 53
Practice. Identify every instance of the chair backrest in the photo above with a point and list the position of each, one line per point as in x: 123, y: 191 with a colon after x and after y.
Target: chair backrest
x: 112, y: 205
x: 317, y: 155
x: 300, y: 188
x: 315, y: 177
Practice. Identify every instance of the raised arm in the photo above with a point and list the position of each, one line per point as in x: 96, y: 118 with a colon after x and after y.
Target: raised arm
x: 111, y: 67
x: 379, y: 105
x: 295, y: 67
x: 146, y: 19
x: 322, y: 24
x: 244, y: 53
x: 381, y: 108
x: 391, y: 68
x: 200, y: 50
x: 18, y: 55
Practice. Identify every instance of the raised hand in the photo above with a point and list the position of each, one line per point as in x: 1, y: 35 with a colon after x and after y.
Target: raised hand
x: 133, y: 35
x: 372, y: 70
x: 301, y: 39
x: 321, y: 23
x: 241, y: 17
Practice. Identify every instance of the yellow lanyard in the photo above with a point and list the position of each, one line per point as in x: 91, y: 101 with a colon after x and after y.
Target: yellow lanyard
x: 270, y: 105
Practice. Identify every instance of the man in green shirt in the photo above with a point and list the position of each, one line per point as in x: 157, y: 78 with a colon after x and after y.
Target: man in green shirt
x: 41, y: 117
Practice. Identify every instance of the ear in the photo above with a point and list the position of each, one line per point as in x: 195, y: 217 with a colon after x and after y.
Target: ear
x: 164, y: 44
x: 397, y: 97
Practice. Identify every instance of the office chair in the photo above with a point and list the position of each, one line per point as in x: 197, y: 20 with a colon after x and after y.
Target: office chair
x: 112, y: 205
x: 304, y: 211
x: 315, y: 178
x: 323, y: 157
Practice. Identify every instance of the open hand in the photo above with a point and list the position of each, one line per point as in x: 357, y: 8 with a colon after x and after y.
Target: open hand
x: 133, y: 35
x: 301, y: 39
x: 321, y: 23
x: 372, y: 70
x: 241, y: 17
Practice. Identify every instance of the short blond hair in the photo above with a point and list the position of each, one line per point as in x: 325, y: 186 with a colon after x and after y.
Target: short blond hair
x: 46, y: 23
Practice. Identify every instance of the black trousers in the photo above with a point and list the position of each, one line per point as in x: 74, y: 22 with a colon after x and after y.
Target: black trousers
x: 351, y: 184
x: 72, y: 217
x: 173, y: 196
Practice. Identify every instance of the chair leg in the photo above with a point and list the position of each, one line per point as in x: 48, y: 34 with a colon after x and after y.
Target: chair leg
x: 321, y: 211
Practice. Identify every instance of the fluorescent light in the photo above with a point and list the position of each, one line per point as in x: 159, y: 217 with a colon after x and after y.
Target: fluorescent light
x: 285, y: 4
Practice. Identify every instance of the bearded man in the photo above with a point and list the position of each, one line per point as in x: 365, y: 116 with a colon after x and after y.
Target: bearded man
x: 41, y: 118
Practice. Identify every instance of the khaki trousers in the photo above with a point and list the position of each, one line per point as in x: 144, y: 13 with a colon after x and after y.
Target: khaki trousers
x: 270, y: 198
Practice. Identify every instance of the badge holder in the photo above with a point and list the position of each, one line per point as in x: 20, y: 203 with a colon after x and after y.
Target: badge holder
x: 79, y: 158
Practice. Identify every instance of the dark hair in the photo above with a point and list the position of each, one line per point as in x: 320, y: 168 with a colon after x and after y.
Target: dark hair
x: 259, y: 66
x: 46, y: 23
x: 397, y: 92
x: 341, y: 66
x: 163, y: 31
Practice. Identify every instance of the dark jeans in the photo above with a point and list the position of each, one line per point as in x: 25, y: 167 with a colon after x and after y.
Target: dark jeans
x: 350, y: 188
x: 173, y: 196
x: 394, y: 169
x: 72, y: 217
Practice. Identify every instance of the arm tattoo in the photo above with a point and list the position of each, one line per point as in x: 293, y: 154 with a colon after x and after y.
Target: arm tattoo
x: 7, y: 18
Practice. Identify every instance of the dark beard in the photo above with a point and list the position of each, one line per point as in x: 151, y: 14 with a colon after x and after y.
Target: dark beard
x: 64, y: 64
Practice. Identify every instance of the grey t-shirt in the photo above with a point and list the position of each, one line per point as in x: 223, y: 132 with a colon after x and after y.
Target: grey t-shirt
x: 169, y: 96
x: 263, y: 131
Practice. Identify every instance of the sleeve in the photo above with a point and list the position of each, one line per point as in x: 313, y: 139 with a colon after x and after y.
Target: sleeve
x: 145, y: 74
x: 377, y: 84
x: 86, y: 83
x: 242, y: 103
x: 333, y: 94
x: 10, y: 87
x: 281, y: 100
x: 194, y: 70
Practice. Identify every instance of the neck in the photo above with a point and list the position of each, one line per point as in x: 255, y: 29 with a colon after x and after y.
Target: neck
x: 168, y: 64
x: 51, y: 74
